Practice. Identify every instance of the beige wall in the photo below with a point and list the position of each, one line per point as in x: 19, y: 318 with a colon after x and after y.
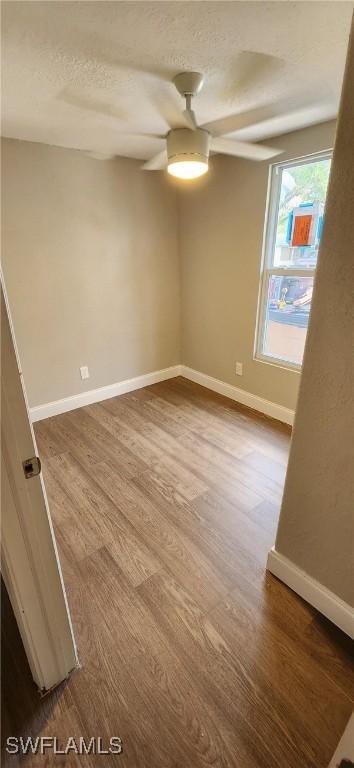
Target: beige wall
x: 90, y: 259
x: 93, y: 253
x: 221, y: 233
x: 316, y: 527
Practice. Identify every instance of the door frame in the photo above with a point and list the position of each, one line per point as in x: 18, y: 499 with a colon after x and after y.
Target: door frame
x: 30, y: 563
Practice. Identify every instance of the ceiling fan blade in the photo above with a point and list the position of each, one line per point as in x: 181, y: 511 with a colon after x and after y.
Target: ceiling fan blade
x: 243, y: 149
x: 271, y: 119
x: 190, y: 119
x: 95, y: 154
x: 233, y: 123
x: 156, y: 163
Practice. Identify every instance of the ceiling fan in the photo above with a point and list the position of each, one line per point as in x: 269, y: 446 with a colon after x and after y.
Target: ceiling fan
x: 187, y: 149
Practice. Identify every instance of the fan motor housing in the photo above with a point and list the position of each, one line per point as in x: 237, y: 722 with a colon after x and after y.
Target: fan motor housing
x: 184, y: 144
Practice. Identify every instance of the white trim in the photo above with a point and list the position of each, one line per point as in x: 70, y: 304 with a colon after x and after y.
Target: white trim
x: 255, y: 402
x: 39, y: 412
x: 30, y: 563
x: 276, y: 362
x: 308, y: 158
x: 321, y: 598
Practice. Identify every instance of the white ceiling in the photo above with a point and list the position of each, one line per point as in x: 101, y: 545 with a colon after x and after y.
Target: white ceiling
x: 95, y: 75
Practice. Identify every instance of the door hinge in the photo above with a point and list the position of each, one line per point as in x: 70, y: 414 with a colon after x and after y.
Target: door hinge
x: 31, y: 467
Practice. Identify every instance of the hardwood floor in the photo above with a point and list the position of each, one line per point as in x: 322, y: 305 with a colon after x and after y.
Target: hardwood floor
x: 165, y: 503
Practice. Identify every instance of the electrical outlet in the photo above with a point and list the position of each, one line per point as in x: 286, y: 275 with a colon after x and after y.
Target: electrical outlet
x: 84, y: 372
x: 239, y: 369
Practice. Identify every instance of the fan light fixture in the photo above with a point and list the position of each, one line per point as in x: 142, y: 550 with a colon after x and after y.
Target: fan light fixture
x: 187, y: 152
x: 187, y: 169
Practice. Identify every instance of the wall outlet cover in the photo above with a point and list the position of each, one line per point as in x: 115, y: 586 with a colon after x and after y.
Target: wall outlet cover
x: 84, y: 372
x: 239, y: 369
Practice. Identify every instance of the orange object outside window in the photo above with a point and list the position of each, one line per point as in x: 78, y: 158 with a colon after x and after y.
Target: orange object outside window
x: 301, y: 232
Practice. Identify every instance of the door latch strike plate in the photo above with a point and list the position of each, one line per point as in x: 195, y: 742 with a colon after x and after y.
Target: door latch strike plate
x: 31, y: 467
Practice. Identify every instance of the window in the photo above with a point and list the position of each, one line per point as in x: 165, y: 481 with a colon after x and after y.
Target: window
x: 297, y: 196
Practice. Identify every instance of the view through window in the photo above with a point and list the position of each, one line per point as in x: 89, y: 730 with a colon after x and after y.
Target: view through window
x: 293, y: 234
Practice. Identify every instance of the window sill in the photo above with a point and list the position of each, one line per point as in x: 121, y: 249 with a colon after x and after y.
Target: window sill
x: 278, y: 363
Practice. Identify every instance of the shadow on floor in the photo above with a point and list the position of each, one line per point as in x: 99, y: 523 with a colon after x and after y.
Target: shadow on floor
x: 24, y: 712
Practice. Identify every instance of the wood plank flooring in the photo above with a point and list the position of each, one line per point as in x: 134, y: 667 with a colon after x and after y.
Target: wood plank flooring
x: 165, y: 504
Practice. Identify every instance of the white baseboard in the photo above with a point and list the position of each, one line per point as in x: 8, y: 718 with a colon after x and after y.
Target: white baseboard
x: 274, y: 410
x: 55, y: 407
x: 321, y: 598
x: 40, y: 412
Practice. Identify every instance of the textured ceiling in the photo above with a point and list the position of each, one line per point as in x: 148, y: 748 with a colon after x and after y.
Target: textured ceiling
x: 95, y: 75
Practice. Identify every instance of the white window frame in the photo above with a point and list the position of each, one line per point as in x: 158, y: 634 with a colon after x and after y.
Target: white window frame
x: 269, y: 237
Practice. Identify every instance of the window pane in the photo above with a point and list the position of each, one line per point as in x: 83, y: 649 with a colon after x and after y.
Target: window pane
x: 300, y: 217
x: 287, y: 315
